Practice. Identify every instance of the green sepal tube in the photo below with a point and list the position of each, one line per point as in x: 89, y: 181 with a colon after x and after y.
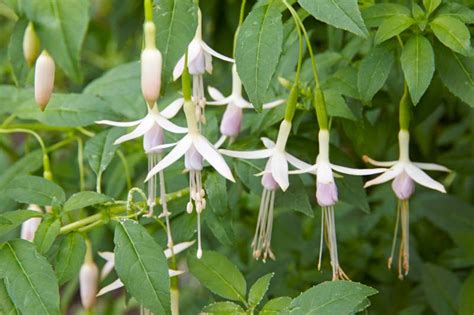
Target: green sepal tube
x: 405, y: 110
x: 320, y: 107
x: 186, y: 80
x: 148, y: 10
x: 291, y: 103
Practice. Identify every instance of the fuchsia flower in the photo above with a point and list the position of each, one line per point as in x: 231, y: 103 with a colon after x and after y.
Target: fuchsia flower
x: 404, y: 174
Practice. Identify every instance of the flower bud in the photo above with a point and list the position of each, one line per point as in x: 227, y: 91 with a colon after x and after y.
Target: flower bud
x: 31, y: 45
x: 326, y: 194
x: 268, y: 182
x: 403, y: 186
x: 29, y: 227
x: 88, y: 280
x: 231, y: 121
x: 151, y: 62
x: 44, y: 79
x: 193, y: 159
x: 152, y: 138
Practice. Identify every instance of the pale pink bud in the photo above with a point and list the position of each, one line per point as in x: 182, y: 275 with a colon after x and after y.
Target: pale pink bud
x: 193, y: 159
x: 231, y: 121
x: 326, y: 194
x: 44, y: 79
x: 31, y: 44
x: 268, y: 182
x: 88, y: 281
x: 30, y: 226
x: 151, y: 62
x: 403, y: 186
x: 152, y: 138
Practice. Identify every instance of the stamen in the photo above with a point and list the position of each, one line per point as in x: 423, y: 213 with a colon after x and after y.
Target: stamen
x: 199, y: 251
x: 199, y: 99
x: 395, y: 236
x: 151, y: 202
x: 403, y: 219
x: 321, y: 240
x: 263, y: 233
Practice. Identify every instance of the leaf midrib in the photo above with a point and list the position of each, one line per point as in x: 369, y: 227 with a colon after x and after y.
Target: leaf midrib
x: 343, y: 297
x: 260, y: 33
x: 350, y: 18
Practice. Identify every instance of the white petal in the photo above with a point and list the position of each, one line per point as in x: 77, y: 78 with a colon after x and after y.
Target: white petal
x: 174, y: 273
x: 108, y: 267
x: 312, y: 169
x: 181, y: 147
x: 215, y: 94
x: 432, y: 167
x: 378, y: 163
x: 108, y: 256
x: 249, y: 155
x: 240, y: 102
x: 162, y: 147
x: 142, y: 128
x: 220, y: 142
x: 224, y: 101
x: 215, y: 53
x: 385, y: 177
x: 423, y: 179
x: 273, y: 104
x: 208, y: 61
x: 172, y: 109
x: 178, y: 248
x: 357, y: 172
x: 169, y: 126
x: 324, y: 173
x: 118, y: 123
x: 210, y: 154
x: 269, y: 144
x: 178, y: 69
x: 279, y: 166
x: 111, y: 287
x: 297, y: 162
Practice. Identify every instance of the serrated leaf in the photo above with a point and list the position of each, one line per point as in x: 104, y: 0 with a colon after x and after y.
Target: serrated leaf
x: 47, y: 232
x: 176, y: 23
x: 431, y: 5
x: 453, y: 34
x: 332, y: 297
x: 223, y: 308
x: 36, y: 190
x: 219, y: 275
x: 441, y: 288
x: 343, y: 14
x: 276, y: 306
x: 466, y: 303
x: 379, y: 12
x: 418, y: 66
x: 70, y: 256
x: 259, y: 45
x: 6, y: 304
x: 259, y: 288
x: 84, y: 199
x: 457, y: 73
x: 15, y: 53
x: 61, y: 27
x: 29, y: 279
x: 374, y: 70
x: 142, y: 267
x: 100, y: 149
x: 392, y: 26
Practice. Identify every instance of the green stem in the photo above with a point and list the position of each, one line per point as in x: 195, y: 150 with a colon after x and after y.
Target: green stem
x: 80, y: 161
x: 241, y: 20
x: 148, y: 10
x: 98, y: 183
x: 300, y: 40
x: 404, y: 114
x: 125, y: 169
x: 186, y: 80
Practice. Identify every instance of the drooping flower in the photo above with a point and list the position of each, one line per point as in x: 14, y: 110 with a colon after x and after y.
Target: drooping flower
x: 275, y: 175
x: 110, y: 264
x: 44, y: 79
x: 232, y: 120
x: 195, y: 148
x: 327, y: 197
x: 151, y: 62
x: 405, y: 173
x: 88, y: 280
x: 30, y: 226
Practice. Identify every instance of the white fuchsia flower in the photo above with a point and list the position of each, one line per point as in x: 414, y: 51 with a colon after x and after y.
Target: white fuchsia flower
x: 110, y: 264
x: 30, y: 226
x: 232, y: 120
x: 327, y: 197
x: 405, y: 173
x: 88, y: 279
x: 275, y: 175
x: 44, y: 79
x: 195, y: 148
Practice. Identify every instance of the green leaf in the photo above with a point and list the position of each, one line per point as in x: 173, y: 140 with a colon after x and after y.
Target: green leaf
x: 294, y: 198
x: 458, y: 11
x: 15, y: 53
x: 100, y: 149
x: 457, y: 73
x: 374, y: 70
x: 34, y: 189
x: 47, y: 232
x: 431, y: 5
x: 453, y: 34
x: 337, y: 106
x: 276, y: 306
x: 392, y: 26
x: 176, y: 22
x: 142, y: 267
x: 61, y: 27
x: 441, y: 288
x: 466, y: 302
x: 259, y: 288
x: 27, y: 164
x: 6, y: 304
x: 259, y: 45
x: 223, y: 308
x: 379, y: 12
x: 332, y: 297
x: 84, y: 199
x: 72, y: 250
x: 418, y: 66
x: 219, y: 275
x: 343, y: 14
x: 29, y: 279
x: 16, y: 218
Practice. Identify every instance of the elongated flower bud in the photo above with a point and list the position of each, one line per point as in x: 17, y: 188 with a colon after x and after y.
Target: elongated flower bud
x: 151, y: 62
x: 31, y: 45
x: 193, y: 160
x: 29, y: 227
x: 231, y: 121
x: 403, y: 186
x: 44, y: 79
x: 88, y: 280
x: 153, y: 138
x: 326, y: 194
